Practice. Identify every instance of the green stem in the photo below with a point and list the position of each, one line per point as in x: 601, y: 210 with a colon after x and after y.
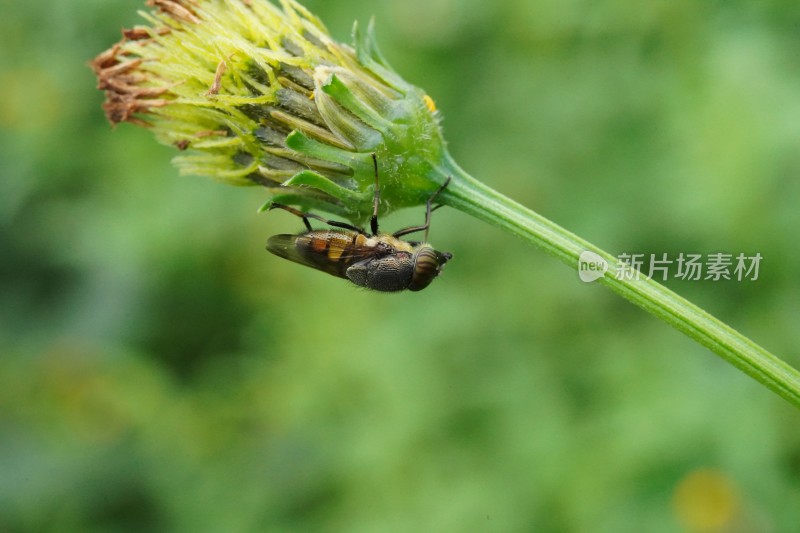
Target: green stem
x: 473, y: 197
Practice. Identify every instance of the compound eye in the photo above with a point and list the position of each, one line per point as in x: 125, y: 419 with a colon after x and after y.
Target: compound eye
x: 426, y: 268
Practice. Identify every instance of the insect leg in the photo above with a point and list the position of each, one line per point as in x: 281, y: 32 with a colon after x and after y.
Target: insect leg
x: 376, y: 200
x: 428, y: 211
x: 306, y: 216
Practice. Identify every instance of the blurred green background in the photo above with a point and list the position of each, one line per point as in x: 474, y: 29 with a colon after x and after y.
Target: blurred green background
x: 161, y: 371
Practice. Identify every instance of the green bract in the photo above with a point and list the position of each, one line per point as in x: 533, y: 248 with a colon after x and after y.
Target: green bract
x: 261, y: 95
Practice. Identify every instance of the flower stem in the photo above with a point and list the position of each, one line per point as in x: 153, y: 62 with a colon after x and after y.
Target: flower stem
x: 467, y: 194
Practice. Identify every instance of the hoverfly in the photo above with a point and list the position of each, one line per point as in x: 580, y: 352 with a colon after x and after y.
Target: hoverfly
x: 377, y: 261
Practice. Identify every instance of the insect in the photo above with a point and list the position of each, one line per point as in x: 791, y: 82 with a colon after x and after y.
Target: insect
x: 378, y: 261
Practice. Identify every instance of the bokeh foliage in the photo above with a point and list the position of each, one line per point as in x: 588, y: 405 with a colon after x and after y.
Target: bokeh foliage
x: 160, y: 370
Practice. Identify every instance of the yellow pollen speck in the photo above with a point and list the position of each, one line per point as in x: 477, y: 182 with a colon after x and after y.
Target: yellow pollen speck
x: 429, y: 103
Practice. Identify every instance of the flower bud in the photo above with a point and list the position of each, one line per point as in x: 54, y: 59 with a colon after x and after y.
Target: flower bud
x: 254, y: 94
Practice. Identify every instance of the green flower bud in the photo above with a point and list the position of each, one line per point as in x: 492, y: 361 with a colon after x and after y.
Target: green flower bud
x: 260, y: 95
